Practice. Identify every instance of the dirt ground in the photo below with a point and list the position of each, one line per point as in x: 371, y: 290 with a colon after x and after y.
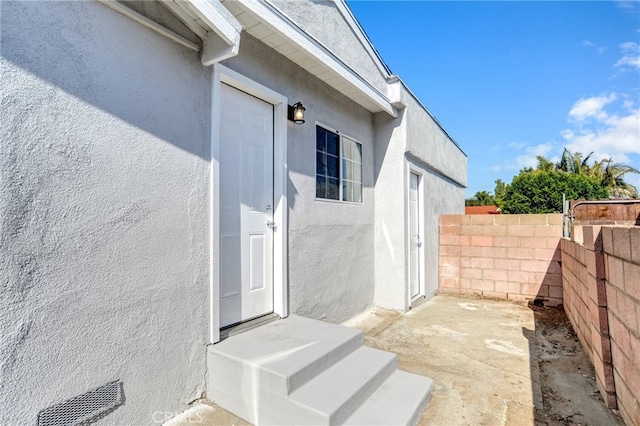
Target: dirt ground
x: 493, y: 363
x: 567, y: 379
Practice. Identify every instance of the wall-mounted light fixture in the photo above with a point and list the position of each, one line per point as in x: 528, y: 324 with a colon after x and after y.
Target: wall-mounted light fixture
x: 296, y: 113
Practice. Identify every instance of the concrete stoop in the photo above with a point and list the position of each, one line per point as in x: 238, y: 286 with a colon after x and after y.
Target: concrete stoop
x: 300, y: 371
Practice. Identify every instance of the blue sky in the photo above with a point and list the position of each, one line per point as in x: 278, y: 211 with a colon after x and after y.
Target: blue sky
x: 510, y: 80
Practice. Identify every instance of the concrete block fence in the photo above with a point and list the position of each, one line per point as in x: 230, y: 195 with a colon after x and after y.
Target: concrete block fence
x: 585, y: 303
x: 514, y: 257
x: 595, y: 275
x: 601, y: 286
x: 621, y: 247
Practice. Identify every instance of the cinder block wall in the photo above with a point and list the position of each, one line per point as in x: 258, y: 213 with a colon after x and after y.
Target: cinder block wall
x: 513, y: 257
x: 518, y: 257
x: 601, y: 286
x: 621, y: 246
x: 585, y: 303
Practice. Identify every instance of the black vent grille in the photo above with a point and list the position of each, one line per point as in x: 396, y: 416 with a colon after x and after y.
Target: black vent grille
x: 86, y: 408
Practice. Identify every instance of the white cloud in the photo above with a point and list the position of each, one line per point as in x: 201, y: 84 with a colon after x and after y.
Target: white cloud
x: 597, y: 47
x: 518, y: 145
x: 525, y: 156
x: 567, y: 134
x: 529, y: 158
x: 628, y: 5
x: 630, y: 46
x: 610, y: 134
x: 591, y: 107
x: 630, y: 57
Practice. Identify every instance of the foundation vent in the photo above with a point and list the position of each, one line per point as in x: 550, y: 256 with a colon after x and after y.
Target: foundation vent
x: 86, y: 408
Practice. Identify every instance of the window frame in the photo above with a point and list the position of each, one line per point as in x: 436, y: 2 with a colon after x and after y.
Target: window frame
x: 341, y: 158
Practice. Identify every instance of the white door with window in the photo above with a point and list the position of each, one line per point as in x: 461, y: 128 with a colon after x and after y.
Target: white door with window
x: 415, y: 242
x: 246, y: 206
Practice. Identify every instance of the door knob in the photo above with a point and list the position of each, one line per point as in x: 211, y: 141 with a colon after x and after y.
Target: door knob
x: 271, y: 224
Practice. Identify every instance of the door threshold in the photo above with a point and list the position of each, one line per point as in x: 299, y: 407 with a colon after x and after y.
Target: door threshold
x: 235, y: 329
x: 418, y: 301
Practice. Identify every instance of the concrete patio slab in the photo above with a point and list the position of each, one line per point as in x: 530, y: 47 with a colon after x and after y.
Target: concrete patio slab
x: 493, y: 363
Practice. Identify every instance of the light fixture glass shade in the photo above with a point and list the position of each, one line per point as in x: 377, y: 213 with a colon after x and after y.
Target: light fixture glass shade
x: 298, y: 113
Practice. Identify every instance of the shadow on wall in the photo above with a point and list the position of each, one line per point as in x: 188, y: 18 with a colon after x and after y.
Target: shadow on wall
x: 385, y: 125
x: 107, y: 61
x: 550, y: 291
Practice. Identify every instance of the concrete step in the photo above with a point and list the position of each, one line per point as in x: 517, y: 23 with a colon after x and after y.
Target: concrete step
x: 336, y: 393
x: 301, y: 371
x: 399, y: 401
x: 288, y: 352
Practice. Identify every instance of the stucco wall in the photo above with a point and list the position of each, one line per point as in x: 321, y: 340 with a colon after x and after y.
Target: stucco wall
x: 331, y: 249
x: 104, y: 248
x: 103, y: 252
x: 401, y: 145
x: 323, y: 21
x: 440, y: 198
x: 390, y: 238
x: 427, y: 141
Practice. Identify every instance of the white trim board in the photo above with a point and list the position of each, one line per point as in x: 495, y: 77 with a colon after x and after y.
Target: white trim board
x: 333, y: 70
x: 222, y: 74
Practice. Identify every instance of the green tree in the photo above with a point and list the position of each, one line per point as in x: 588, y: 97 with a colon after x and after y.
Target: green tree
x: 481, y: 198
x: 541, y: 192
x: 544, y: 164
x: 609, y: 174
x: 611, y: 177
x: 574, y: 163
x: 500, y: 191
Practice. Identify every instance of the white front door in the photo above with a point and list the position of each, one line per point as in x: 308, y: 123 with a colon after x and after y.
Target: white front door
x: 415, y: 243
x: 246, y: 207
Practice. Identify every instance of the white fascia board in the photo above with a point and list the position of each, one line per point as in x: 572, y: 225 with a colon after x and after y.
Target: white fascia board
x: 215, y: 49
x: 394, y: 91
x: 357, y: 29
x: 272, y: 17
x: 218, y: 19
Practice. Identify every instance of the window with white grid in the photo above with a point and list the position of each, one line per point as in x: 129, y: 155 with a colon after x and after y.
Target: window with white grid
x: 338, y: 167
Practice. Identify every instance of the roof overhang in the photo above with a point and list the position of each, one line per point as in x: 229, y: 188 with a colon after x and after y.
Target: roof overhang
x: 219, y: 26
x: 218, y: 29
x: 266, y: 23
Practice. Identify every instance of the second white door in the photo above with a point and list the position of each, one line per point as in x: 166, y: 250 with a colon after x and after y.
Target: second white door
x: 415, y: 243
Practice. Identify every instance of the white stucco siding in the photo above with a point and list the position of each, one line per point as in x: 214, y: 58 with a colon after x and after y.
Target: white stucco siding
x: 331, y: 250
x: 103, y: 210
x: 413, y: 139
x: 439, y: 197
x: 428, y: 141
x: 390, y: 281
x: 323, y: 21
